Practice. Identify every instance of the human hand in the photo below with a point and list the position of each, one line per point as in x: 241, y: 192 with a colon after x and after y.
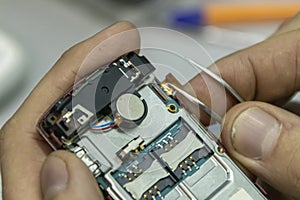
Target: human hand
x: 28, y: 172
x: 23, y: 152
x: 263, y: 138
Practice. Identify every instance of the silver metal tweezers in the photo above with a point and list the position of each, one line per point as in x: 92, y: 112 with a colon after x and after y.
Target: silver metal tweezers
x: 218, y: 79
x: 203, y: 106
x: 194, y: 100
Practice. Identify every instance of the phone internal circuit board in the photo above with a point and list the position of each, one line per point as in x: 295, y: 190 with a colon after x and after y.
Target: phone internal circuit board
x: 138, y: 141
x: 176, y: 154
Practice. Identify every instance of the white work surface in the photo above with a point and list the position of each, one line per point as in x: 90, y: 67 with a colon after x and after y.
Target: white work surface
x: 42, y: 30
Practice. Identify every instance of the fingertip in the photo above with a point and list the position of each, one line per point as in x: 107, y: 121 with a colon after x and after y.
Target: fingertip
x: 64, y: 176
x: 125, y: 24
x: 115, y: 28
x: 109, y: 44
x: 250, y: 130
x: 227, y: 124
x: 264, y: 139
x: 54, y: 176
x: 290, y: 24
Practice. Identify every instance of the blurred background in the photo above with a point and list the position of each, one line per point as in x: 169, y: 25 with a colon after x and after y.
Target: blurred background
x: 34, y: 33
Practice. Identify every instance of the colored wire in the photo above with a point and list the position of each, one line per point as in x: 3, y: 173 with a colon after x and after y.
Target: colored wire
x: 105, y: 126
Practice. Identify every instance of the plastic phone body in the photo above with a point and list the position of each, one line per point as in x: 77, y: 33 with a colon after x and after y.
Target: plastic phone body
x: 138, y: 141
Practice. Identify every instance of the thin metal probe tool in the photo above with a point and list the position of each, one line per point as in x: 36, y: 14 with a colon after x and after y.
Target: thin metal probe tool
x: 196, y: 101
x: 218, y: 79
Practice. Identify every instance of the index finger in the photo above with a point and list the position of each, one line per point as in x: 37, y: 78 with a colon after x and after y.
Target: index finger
x: 22, y: 149
x: 268, y: 71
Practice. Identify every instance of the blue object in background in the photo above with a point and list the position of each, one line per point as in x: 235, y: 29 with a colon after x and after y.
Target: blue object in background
x: 187, y: 18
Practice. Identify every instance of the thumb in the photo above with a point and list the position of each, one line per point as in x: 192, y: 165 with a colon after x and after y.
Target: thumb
x: 266, y: 140
x: 64, y: 176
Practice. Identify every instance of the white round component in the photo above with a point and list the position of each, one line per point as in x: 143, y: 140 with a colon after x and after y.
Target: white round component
x: 130, y: 107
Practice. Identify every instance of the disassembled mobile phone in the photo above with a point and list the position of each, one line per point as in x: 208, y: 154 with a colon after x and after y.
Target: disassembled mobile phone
x: 138, y: 141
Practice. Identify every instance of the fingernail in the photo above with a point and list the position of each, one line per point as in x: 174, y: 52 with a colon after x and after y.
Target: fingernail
x: 54, y: 177
x: 255, y: 133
